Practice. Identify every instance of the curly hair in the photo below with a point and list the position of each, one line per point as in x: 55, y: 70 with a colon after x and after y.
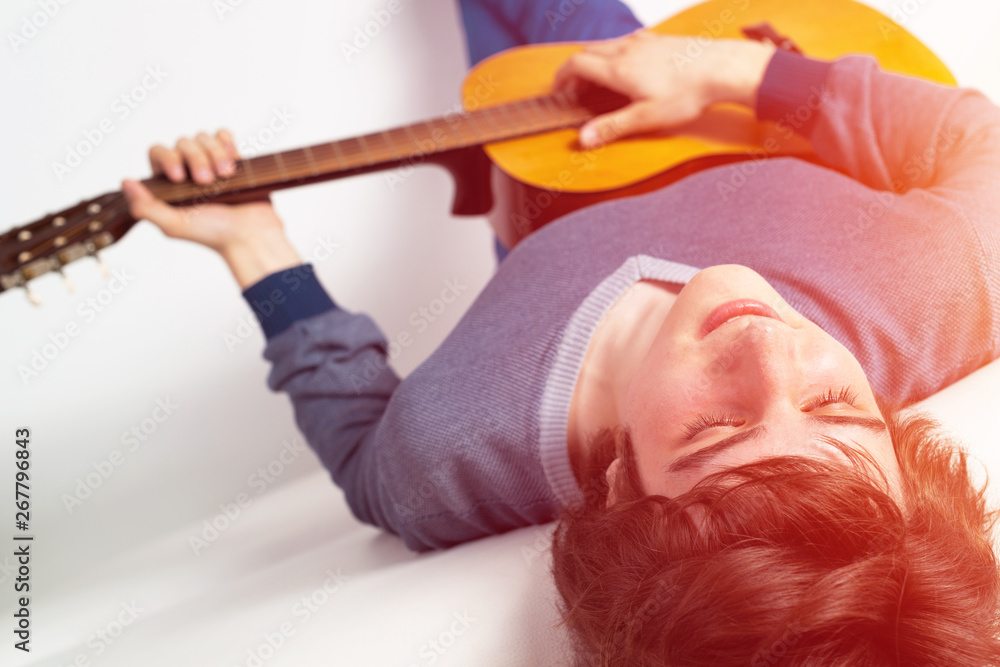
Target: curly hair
x: 790, y: 561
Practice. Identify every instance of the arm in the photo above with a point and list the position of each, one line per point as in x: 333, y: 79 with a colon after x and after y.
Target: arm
x: 392, y: 452
x: 333, y: 366
x: 520, y: 22
x: 888, y: 131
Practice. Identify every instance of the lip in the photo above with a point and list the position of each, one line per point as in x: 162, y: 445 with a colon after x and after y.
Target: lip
x: 736, y: 308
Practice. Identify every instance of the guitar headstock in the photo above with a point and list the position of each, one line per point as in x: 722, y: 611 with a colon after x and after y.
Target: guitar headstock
x: 57, y: 239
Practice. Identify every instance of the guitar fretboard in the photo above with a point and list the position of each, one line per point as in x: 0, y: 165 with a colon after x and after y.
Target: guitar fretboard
x: 400, y: 144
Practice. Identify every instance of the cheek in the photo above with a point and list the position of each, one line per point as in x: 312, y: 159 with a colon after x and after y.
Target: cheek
x: 657, y: 395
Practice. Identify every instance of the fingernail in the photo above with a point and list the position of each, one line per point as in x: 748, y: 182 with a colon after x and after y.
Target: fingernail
x: 205, y: 174
x: 177, y: 173
x: 588, y: 136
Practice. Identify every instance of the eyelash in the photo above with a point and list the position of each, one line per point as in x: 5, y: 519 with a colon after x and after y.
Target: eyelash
x: 842, y: 395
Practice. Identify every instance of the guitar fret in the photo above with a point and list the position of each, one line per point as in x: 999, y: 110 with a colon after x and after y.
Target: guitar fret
x: 491, y: 115
x: 430, y: 137
x: 470, y: 118
x: 460, y: 128
x: 446, y: 143
x: 390, y: 143
x: 522, y: 109
x: 307, y: 151
x: 505, y: 111
x: 324, y: 156
x: 413, y: 137
x: 364, y: 149
x: 279, y: 161
x: 530, y: 109
x: 248, y: 168
x: 339, y: 153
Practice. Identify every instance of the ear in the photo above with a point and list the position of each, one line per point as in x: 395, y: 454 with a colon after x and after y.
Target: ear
x: 612, y: 474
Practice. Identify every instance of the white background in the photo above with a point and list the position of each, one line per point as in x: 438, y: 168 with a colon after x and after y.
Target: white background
x: 163, y: 336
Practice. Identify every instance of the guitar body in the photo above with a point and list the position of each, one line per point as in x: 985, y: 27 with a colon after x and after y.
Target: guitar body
x: 539, y: 178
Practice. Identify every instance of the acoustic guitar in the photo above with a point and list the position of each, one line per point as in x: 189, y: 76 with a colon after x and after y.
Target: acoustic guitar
x: 513, y: 152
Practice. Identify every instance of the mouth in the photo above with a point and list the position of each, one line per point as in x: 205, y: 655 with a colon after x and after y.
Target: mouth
x: 733, y: 309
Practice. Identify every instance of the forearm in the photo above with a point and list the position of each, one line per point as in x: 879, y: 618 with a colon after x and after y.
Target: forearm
x: 888, y: 131
x: 736, y: 70
x: 259, y: 256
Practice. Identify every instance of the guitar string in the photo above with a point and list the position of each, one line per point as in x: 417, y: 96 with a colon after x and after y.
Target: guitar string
x: 348, y: 157
x: 296, y: 159
x: 387, y: 142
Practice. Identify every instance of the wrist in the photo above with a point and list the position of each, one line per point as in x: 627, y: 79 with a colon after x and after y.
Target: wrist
x: 738, y: 71
x: 259, y: 256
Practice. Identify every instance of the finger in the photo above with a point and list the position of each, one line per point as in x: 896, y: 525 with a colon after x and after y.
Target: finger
x: 587, y: 66
x: 572, y: 87
x: 142, y: 205
x: 217, y: 153
x: 633, y: 119
x: 166, y: 161
x: 197, y: 160
x: 226, y: 137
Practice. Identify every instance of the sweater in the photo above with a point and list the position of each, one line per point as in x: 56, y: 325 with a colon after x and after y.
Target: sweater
x: 890, y: 243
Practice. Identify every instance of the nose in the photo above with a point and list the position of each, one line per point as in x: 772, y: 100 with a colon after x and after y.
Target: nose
x: 766, y: 359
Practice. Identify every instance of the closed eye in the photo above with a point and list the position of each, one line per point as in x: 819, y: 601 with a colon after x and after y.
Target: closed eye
x: 704, y: 422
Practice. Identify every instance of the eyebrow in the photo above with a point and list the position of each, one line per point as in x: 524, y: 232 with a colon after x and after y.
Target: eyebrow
x: 703, y: 456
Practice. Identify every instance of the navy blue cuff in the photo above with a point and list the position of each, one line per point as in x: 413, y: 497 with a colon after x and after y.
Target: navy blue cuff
x: 283, y: 297
x: 792, y: 91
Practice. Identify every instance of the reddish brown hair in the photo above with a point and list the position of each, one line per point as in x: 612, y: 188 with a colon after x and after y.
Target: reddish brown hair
x: 792, y: 561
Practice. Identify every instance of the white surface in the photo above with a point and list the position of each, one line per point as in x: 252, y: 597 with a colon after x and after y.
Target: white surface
x: 163, y: 337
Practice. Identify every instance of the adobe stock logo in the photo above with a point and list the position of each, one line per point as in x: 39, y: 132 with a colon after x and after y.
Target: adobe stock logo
x: 381, y: 18
x: 29, y: 27
x: 122, y: 107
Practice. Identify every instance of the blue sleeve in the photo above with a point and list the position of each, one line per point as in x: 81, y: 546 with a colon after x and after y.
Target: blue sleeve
x: 283, y: 297
x: 495, y: 25
x: 382, y: 445
x: 333, y: 366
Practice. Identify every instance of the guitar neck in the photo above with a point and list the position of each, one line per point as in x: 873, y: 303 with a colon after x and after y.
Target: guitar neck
x: 408, y: 144
x: 51, y: 242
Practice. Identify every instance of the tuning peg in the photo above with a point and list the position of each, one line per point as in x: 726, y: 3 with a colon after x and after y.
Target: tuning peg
x: 102, y: 267
x: 66, y: 282
x: 32, y: 297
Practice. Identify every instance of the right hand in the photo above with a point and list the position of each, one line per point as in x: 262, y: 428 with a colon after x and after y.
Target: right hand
x: 670, y: 79
x: 221, y: 227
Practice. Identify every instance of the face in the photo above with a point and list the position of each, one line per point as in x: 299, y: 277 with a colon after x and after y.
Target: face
x: 774, y: 384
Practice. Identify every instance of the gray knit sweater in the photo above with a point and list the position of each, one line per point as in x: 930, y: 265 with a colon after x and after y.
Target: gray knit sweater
x: 892, y: 247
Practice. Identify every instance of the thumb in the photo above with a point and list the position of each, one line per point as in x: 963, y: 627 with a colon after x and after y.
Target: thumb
x: 632, y: 119
x: 142, y: 205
